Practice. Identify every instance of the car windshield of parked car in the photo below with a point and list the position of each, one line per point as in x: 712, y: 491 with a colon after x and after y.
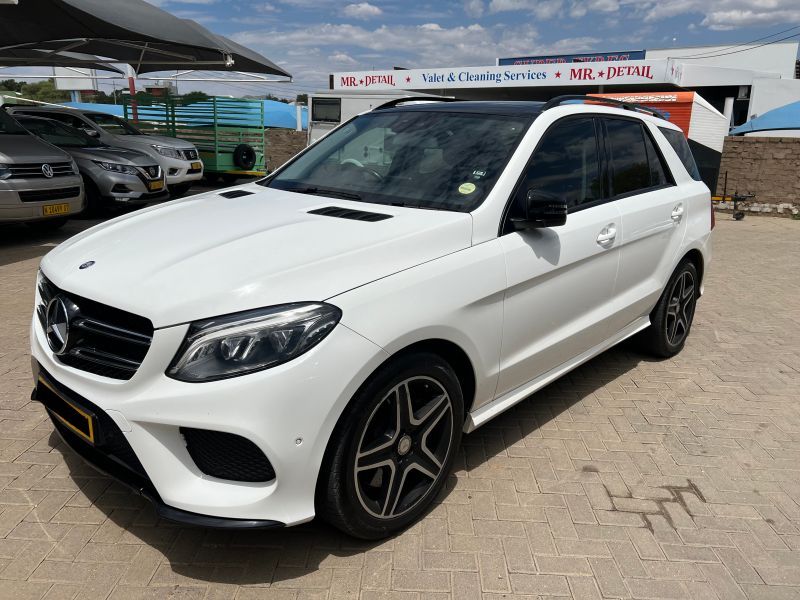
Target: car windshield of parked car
x: 425, y: 159
x: 114, y: 125
x: 59, y: 134
x: 8, y: 125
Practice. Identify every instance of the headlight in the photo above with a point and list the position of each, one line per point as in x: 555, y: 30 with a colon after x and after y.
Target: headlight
x: 5, y: 172
x: 74, y: 166
x: 250, y: 341
x: 117, y: 168
x: 167, y: 151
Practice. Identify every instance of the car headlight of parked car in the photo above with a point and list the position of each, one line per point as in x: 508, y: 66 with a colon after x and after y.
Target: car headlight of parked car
x: 250, y: 341
x: 117, y: 168
x: 74, y: 167
x: 5, y: 172
x: 167, y: 151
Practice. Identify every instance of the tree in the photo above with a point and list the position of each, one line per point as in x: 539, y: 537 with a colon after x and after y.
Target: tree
x: 194, y: 96
x: 10, y: 85
x: 301, y: 99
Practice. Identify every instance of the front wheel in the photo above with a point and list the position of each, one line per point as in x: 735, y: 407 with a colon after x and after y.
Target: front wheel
x: 394, y: 447
x: 671, y: 319
x: 179, y: 190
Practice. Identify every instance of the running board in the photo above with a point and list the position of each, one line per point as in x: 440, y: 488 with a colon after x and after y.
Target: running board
x: 488, y: 411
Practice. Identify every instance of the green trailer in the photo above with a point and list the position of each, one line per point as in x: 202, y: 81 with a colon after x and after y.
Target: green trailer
x: 228, y: 132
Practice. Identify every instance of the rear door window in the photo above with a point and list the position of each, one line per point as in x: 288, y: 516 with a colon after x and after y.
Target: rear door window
x: 630, y: 170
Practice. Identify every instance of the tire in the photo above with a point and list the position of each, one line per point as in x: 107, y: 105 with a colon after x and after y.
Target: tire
x: 179, y: 190
x: 211, y: 178
x: 244, y: 157
x: 230, y: 178
x: 671, y: 319
x: 384, y: 466
x: 47, y: 225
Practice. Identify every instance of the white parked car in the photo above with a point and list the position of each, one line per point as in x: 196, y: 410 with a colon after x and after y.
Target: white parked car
x: 316, y: 343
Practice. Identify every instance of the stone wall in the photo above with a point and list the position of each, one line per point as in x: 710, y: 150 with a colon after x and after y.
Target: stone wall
x: 283, y: 144
x: 768, y: 167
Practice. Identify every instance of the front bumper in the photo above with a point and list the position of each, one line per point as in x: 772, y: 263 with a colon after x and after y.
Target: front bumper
x: 14, y: 208
x: 181, y: 171
x: 288, y: 411
x: 127, y: 189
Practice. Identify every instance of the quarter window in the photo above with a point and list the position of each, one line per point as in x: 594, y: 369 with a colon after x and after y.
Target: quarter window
x: 566, y: 163
x: 678, y: 142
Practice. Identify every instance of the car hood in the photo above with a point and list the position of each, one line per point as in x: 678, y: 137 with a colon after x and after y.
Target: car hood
x: 27, y: 149
x: 207, y: 255
x: 109, y: 154
x: 148, y: 140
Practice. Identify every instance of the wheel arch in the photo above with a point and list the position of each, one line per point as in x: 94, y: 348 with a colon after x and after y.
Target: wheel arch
x: 696, y: 258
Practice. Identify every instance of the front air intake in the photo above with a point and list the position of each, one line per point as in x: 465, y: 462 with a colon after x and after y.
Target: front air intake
x: 235, y: 193
x: 227, y: 456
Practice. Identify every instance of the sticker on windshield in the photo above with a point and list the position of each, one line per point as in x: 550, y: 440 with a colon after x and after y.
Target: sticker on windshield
x: 478, y: 173
x: 466, y: 188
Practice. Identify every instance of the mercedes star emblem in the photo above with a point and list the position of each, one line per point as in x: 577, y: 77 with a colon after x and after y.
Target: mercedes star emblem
x: 57, y: 330
x: 86, y: 265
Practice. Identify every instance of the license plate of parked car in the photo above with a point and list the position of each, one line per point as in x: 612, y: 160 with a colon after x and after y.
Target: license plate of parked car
x: 55, y: 209
x: 156, y: 185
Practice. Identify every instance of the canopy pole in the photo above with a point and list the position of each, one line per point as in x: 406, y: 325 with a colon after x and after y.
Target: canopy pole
x: 132, y: 89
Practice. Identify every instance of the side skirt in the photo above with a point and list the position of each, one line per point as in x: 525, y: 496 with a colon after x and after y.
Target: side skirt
x: 488, y: 411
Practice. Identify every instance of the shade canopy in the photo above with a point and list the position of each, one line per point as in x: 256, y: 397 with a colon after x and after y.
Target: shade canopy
x: 785, y: 117
x: 129, y: 31
x: 25, y: 57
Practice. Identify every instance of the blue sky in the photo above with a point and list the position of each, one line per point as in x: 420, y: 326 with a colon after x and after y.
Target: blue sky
x: 312, y: 38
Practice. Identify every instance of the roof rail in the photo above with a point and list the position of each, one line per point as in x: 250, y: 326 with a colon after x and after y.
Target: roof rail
x: 398, y: 101
x: 552, y: 103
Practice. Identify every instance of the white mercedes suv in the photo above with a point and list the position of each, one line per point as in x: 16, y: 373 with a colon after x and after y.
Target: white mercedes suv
x: 316, y: 343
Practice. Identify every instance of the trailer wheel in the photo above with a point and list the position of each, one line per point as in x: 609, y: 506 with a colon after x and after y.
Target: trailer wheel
x: 244, y: 157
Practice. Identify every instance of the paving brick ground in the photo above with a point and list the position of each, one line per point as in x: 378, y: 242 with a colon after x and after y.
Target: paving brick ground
x: 629, y: 478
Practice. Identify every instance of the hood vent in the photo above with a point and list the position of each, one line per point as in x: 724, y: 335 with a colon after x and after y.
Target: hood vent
x: 235, y: 194
x: 347, y: 213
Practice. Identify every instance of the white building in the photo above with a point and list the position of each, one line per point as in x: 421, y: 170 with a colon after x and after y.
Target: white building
x: 741, y: 81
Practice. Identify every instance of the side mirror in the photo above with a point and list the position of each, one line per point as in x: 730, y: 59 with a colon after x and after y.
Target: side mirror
x: 540, y: 209
x: 91, y: 132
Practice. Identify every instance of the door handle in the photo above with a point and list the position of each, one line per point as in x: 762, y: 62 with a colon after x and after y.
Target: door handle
x: 607, y: 235
x: 677, y: 213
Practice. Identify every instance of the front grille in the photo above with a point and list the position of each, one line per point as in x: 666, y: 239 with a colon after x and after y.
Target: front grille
x: 45, y: 195
x: 189, y: 154
x: 101, y: 339
x: 34, y: 170
x: 110, y: 441
x: 227, y: 456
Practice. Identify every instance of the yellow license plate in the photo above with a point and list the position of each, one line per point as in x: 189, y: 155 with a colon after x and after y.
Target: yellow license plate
x: 50, y: 210
x: 197, y: 165
x: 156, y: 185
x: 68, y: 413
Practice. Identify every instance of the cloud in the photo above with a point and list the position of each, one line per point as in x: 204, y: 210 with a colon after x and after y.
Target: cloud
x: 266, y: 7
x: 362, y: 10
x: 341, y: 57
x: 474, y: 8
x: 724, y: 14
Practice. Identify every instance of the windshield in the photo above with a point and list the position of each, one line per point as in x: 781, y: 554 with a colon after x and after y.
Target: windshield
x: 59, y: 134
x: 9, y: 125
x: 114, y: 125
x: 441, y: 160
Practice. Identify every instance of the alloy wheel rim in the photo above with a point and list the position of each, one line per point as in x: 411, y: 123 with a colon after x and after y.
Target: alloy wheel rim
x: 680, y: 309
x: 403, y: 447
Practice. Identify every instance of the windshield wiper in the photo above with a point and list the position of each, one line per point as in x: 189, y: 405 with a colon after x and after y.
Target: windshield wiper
x: 326, y: 192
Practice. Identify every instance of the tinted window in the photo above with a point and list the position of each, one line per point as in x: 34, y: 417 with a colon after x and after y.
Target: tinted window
x: 58, y: 134
x: 70, y: 120
x: 630, y: 170
x: 442, y: 160
x: 566, y: 163
x: 114, y: 125
x: 678, y: 142
x: 9, y: 125
x: 658, y: 170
